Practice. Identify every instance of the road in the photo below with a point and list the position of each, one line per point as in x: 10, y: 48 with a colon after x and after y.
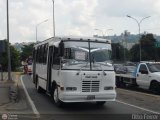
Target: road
x: 77, y: 111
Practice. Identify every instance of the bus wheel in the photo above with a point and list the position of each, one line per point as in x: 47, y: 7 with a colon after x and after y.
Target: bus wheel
x: 100, y: 103
x: 56, y: 99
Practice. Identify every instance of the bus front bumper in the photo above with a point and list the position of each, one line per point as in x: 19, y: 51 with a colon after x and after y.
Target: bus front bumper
x: 87, y: 97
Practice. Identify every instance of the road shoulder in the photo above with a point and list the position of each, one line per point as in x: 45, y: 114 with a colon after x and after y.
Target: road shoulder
x: 11, y: 90
x: 142, y: 100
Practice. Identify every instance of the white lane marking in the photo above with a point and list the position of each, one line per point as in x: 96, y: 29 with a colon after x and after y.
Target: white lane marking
x: 144, y: 109
x: 30, y: 100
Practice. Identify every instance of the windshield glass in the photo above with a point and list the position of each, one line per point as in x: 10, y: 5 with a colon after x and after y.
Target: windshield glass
x: 101, y: 55
x: 77, y: 55
x: 154, y: 67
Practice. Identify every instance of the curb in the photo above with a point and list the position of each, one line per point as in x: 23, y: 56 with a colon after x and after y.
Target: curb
x: 35, y: 111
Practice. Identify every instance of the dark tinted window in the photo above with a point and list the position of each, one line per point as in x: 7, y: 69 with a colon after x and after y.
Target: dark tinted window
x: 56, y: 60
x: 143, y: 68
x: 41, y: 54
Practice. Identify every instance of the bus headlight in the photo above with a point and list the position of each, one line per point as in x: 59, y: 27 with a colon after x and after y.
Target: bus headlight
x: 108, y: 88
x: 71, y: 88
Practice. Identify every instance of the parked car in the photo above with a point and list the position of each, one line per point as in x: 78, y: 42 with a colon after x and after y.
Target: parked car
x: 145, y: 75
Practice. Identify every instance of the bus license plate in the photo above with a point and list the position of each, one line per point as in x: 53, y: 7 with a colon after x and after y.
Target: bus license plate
x: 90, y: 97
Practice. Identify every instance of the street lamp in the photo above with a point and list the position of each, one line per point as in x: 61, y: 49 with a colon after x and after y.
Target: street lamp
x: 54, y: 27
x: 8, y: 48
x: 38, y: 25
x: 53, y: 21
x: 103, y: 32
x: 139, y: 29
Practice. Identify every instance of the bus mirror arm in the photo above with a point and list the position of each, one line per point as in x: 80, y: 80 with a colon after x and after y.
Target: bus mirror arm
x: 61, y: 49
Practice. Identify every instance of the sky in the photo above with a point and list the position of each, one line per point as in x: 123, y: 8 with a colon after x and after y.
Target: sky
x: 77, y: 18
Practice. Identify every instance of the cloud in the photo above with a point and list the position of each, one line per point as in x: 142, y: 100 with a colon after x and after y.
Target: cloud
x: 119, y: 8
x: 75, y: 17
x: 77, y: 14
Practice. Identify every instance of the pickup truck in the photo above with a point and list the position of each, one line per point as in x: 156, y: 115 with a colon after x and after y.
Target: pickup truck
x: 144, y: 75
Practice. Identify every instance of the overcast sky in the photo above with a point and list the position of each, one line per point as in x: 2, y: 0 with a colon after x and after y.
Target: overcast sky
x: 77, y: 18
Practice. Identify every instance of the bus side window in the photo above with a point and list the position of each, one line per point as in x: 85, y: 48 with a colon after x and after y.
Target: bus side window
x: 42, y: 53
x: 56, y: 59
x: 33, y: 54
x: 45, y: 53
x: 38, y: 55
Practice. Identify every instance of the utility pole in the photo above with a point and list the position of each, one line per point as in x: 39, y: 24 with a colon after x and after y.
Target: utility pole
x: 54, y: 30
x: 8, y: 46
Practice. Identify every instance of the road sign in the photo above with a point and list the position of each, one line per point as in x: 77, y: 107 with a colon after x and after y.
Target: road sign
x: 157, y: 44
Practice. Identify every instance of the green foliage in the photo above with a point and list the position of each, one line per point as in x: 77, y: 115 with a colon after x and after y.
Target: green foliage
x: 119, y: 53
x: 15, y: 61
x: 134, y: 53
x: 14, y: 58
x: 148, y: 49
x: 26, y: 51
x: 157, y: 54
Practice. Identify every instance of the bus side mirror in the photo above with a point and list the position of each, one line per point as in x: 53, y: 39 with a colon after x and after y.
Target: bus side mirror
x: 61, y: 49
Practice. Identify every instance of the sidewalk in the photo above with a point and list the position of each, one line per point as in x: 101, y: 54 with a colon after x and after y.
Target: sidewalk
x: 4, y: 89
x: 12, y: 96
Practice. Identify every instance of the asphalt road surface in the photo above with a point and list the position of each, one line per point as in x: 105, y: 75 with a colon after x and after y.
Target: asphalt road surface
x: 83, y: 111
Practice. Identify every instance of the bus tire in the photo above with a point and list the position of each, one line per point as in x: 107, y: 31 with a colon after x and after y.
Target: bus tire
x: 100, y: 103
x: 55, y: 97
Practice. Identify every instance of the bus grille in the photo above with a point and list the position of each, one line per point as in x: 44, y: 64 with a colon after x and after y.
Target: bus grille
x: 90, y: 86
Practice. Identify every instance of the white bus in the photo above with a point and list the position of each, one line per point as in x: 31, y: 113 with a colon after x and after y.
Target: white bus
x: 74, y: 69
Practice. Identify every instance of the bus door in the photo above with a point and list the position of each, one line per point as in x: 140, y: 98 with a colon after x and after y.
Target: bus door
x: 34, y: 64
x: 49, y: 68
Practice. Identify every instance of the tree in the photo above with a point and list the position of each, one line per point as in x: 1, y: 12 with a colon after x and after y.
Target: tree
x: 118, y: 52
x: 158, y: 54
x: 134, y: 53
x: 14, y: 58
x: 26, y: 51
x: 148, y: 50
x: 148, y: 47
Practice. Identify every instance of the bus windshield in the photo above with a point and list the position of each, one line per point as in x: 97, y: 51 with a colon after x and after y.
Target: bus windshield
x: 101, y: 55
x: 79, y: 54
